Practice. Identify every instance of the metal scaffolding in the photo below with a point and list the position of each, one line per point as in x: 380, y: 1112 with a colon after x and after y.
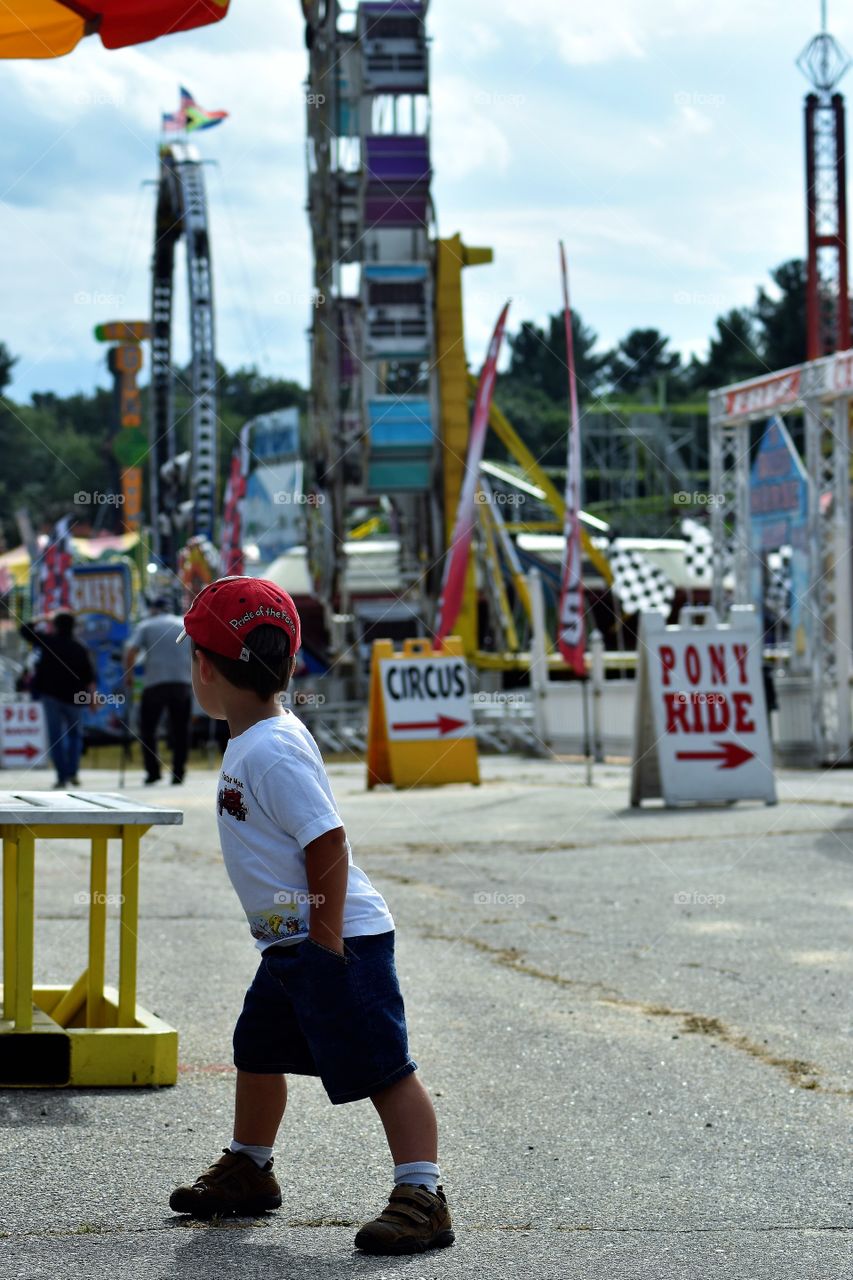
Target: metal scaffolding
x: 821, y: 390
x: 182, y: 212
x: 824, y: 62
x: 629, y: 456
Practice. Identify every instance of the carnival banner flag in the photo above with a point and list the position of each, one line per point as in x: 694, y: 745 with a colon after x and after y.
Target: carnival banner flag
x: 639, y: 585
x: 190, y: 117
x: 698, y: 552
x: 52, y: 577
x: 231, y: 559
x: 570, y: 628
x: 456, y: 563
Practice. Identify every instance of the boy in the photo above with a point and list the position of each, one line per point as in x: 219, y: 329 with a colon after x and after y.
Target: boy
x: 325, y: 1000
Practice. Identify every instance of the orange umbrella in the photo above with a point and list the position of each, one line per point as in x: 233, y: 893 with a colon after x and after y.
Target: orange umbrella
x: 49, y: 28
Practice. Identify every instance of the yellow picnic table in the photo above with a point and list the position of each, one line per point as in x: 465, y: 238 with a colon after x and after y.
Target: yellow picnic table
x: 83, y: 1033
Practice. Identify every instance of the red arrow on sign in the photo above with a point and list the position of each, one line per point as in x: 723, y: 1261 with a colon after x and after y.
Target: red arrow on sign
x: 730, y: 755
x: 444, y: 724
x: 29, y: 751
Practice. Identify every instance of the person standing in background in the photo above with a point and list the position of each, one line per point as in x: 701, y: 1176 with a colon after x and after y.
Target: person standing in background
x: 63, y: 682
x: 166, y: 686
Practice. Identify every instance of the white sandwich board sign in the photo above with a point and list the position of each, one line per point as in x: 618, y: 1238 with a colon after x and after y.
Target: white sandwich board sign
x: 426, y: 698
x: 23, y: 736
x: 701, y: 730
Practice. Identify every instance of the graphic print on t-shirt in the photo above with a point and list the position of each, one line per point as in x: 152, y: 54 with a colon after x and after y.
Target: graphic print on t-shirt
x: 230, y: 798
x: 273, y: 926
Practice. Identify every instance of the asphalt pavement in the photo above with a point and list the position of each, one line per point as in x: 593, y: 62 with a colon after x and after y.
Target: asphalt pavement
x: 636, y: 1026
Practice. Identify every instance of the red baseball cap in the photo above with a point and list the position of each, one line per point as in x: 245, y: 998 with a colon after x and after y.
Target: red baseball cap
x: 223, y: 614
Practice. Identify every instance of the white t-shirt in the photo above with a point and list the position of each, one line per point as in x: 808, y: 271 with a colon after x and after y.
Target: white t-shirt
x: 273, y: 799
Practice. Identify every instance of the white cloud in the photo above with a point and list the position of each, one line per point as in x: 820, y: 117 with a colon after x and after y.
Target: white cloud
x: 466, y: 127
x: 588, y: 35
x: 691, y: 121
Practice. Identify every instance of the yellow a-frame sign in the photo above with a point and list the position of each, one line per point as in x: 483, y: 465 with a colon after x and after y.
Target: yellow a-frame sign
x: 420, y: 726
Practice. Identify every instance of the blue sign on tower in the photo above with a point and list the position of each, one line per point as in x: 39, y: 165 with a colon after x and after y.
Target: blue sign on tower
x: 778, y: 496
x: 778, y: 501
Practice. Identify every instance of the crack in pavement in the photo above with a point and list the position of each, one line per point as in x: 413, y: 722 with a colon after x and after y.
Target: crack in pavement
x: 801, y: 1074
x: 425, y: 848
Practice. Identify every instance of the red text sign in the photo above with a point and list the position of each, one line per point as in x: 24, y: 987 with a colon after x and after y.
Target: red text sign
x: 22, y: 735
x: 708, y: 714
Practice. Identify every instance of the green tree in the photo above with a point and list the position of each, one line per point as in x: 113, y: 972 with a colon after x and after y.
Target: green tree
x: 7, y: 363
x: 246, y: 392
x: 734, y: 353
x: 640, y: 359
x: 538, y: 359
x: 781, y: 321
x: 52, y: 462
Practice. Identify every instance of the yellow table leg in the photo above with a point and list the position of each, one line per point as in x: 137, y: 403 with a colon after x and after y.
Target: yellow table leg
x: 10, y: 921
x: 97, y: 929
x: 24, y: 941
x: 128, y: 927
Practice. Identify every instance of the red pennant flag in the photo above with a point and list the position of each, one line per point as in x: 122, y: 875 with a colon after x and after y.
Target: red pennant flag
x: 51, y: 574
x: 231, y: 560
x: 570, y: 628
x: 456, y: 564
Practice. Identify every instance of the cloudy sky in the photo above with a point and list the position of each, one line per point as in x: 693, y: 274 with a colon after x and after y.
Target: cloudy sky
x: 661, y: 139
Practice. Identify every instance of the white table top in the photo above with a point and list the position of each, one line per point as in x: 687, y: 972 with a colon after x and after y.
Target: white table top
x: 83, y: 808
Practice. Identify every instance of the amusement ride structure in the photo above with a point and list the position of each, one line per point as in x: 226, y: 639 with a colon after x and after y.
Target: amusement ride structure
x: 374, y: 412
x: 390, y: 383
x: 390, y: 419
x: 812, y: 514
x: 824, y: 62
x: 182, y: 214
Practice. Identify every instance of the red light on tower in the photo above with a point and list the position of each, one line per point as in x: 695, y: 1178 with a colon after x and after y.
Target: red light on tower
x: 824, y: 62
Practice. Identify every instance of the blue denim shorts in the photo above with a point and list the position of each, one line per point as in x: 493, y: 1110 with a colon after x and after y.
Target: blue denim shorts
x: 311, y: 1012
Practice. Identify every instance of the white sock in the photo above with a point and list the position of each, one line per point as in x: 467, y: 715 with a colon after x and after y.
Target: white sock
x: 260, y: 1155
x: 420, y: 1173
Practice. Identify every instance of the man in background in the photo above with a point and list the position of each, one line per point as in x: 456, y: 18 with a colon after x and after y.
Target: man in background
x: 63, y: 682
x: 166, y: 686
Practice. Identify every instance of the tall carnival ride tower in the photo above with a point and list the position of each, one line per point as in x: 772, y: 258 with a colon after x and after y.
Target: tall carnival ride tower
x: 182, y: 214
x: 824, y: 62
x: 373, y: 346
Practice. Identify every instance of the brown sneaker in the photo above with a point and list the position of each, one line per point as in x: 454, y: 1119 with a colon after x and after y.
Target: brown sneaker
x: 414, y: 1220
x: 234, y: 1184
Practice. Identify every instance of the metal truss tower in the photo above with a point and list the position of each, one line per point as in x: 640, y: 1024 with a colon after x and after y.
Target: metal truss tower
x: 824, y: 62
x: 822, y: 391
x: 373, y: 397
x: 182, y: 212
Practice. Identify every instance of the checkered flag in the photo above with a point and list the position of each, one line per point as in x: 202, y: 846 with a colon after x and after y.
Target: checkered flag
x: 639, y: 585
x: 777, y: 594
x: 698, y: 552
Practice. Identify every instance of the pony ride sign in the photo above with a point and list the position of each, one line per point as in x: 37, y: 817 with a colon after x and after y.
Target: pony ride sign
x: 701, y: 730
